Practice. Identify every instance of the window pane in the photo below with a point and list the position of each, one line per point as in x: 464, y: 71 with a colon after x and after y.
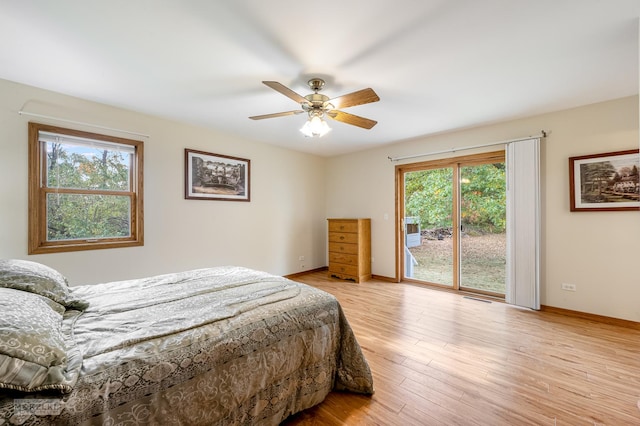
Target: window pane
x: 99, y: 167
x: 483, y: 216
x: 81, y: 216
x: 428, y: 237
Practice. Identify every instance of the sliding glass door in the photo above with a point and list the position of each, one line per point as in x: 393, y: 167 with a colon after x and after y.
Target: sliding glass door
x: 483, y: 238
x: 453, y: 222
x: 428, y: 224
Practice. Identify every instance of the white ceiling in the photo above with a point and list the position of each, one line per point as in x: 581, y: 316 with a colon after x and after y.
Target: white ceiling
x: 437, y: 65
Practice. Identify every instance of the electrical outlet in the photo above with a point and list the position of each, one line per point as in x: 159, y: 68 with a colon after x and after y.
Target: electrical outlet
x: 568, y: 287
x: 302, y: 266
x: 301, y: 258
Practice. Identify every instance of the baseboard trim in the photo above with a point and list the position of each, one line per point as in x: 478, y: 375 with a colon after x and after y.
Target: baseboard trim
x: 592, y: 317
x: 310, y: 271
x: 383, y: 278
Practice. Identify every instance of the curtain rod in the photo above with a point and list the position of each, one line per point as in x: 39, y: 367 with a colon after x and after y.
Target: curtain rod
x: 543, y: 134
x: 21, y: 112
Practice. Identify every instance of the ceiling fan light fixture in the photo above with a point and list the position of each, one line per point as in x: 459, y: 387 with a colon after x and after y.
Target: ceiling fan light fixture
x: 315, y: 126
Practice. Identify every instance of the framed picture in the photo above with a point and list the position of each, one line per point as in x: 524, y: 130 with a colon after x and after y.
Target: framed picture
x: 216, y: 177
x: 605, y: 182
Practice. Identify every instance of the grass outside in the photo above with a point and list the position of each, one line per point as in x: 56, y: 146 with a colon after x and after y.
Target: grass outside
x: 483, y: 261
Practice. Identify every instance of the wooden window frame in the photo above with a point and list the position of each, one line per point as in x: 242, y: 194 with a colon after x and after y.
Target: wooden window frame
x: 38, y: 191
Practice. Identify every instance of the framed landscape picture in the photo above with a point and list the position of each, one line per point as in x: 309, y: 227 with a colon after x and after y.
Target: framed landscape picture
x: 605, y: 182
x: 211, y: 176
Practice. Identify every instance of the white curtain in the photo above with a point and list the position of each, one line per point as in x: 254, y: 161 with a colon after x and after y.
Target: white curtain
x: 523, y: 223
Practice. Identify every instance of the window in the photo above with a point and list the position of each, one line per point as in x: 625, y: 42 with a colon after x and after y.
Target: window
x: 85, y: 190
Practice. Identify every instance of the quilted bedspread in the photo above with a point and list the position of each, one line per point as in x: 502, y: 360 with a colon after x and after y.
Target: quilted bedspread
x: 225, y: 345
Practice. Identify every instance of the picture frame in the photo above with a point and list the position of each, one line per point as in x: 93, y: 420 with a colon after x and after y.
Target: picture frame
x: 605, y: 182
x: 210, y: 176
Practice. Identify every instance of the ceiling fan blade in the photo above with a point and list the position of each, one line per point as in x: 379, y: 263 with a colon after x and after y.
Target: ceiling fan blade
x: 287, y: 92
x: 354, y: 120
x: 364, y: 96
x: 276, y: 114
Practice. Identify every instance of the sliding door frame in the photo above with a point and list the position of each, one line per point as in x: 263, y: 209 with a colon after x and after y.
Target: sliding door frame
x: 451, y: 162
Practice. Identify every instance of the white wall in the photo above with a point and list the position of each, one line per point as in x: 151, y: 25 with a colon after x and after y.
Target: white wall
x: 284, y: 220
x: 293, y: 194
x: 596, y: 251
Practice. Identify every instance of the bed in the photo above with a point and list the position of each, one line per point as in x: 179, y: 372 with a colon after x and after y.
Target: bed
x: 225, y: 345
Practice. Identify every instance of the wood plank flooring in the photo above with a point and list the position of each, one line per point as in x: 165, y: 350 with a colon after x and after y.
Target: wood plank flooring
x: 439, y: 358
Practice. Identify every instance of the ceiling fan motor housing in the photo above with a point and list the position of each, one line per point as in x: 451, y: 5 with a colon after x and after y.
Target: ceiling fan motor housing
x: 317, y: 102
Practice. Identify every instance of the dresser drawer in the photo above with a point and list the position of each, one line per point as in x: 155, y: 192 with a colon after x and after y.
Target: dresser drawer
x: 339, y: 268
x: 343, y: 226
x: 347, y: 259
x: 341, y: 237
x: 343, y: 248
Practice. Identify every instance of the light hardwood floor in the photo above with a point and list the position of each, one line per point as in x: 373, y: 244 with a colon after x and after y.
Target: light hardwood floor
x: 439, y: 358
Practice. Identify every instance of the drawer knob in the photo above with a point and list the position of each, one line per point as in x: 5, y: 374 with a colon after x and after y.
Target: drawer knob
x: 342, y: 237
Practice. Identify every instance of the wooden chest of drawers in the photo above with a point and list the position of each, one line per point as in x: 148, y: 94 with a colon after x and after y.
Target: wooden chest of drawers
x: 350, y: 249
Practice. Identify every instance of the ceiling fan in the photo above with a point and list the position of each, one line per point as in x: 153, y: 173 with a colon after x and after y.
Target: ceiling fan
x: 318, y: 106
